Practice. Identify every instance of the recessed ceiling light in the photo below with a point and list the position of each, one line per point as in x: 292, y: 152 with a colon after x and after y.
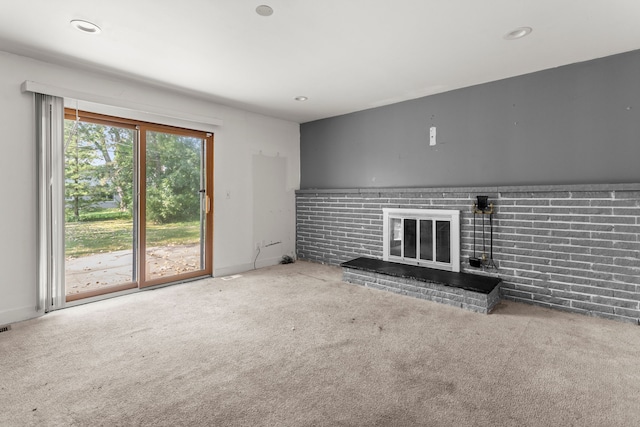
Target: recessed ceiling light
x: 518, y: 33
x: 85, y: 26
x: 300, y: 98
x: 264, y: 10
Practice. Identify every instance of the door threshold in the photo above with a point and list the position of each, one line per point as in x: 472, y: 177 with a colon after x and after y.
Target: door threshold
x: 130, y: 291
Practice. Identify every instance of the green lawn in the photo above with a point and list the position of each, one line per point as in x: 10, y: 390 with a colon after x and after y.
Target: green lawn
x: 91, y: 237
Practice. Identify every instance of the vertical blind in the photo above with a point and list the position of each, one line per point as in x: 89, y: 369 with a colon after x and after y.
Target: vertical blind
x: 49, y: 115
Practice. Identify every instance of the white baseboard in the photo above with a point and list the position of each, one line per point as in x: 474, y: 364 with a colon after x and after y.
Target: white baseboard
x: 26, y: 313
x: 18, y: 315
x: 242, y: 268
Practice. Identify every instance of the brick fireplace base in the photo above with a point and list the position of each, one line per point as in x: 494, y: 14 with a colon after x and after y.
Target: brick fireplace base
x: 469, y: 291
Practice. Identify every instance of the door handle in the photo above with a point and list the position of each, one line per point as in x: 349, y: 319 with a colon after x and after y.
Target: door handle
x: 207, y: 205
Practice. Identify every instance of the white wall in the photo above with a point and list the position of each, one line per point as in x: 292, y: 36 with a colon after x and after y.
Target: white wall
x: 240, y: 218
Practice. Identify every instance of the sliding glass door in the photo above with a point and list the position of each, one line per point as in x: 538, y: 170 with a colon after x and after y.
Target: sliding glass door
x: 100, y: 209
x: 137, y: 204
x: 175, y: 207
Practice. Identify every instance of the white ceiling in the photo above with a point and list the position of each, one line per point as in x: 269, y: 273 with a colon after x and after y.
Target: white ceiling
x: 345, y: 55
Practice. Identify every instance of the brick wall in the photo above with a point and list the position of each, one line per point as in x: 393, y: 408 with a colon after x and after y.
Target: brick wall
x: 574, y: 248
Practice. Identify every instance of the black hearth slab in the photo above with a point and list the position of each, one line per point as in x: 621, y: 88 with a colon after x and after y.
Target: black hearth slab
x: 467, y: 281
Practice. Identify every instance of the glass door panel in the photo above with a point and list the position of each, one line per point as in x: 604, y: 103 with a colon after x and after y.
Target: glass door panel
x: 395, y: 242
x: 175, y: 205
x: 443, y: 241
x: 409, y: 240
x: 100, y: 235
x: 426, y: 239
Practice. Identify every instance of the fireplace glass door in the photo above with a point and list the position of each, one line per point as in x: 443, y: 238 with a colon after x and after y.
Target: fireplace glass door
x: 422, y: 238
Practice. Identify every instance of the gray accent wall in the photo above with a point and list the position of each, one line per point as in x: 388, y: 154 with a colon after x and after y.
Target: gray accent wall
x: 569, y: 125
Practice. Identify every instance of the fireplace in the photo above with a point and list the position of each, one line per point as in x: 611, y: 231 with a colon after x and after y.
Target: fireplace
x: 424, y: 237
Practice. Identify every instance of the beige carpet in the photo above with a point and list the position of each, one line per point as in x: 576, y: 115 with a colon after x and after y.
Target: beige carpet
x: 292, y: 345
